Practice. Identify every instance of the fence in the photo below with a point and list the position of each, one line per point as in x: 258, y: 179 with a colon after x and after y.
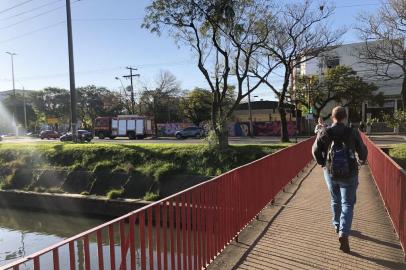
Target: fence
x: 390, y: 179
x: 184, y: 231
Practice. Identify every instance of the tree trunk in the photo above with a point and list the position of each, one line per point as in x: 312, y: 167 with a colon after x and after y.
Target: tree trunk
x: 222, y: 137
x: 219, y: 126
x: 284, y: 124
x: 403, y: 93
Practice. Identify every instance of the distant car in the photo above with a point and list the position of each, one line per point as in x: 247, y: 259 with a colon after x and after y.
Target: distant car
x: 49, y: 134
x: 83, y: 136
x: 190, y: 132
x: 32, y: 134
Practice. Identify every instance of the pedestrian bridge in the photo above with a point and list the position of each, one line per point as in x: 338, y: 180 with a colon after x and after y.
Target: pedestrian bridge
x: 273, y: 213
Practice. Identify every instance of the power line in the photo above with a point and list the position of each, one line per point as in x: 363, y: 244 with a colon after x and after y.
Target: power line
x: 29, y: 11
x: 32, y: 32
x: 33, y: 17
x: 15, y: 6
x: 107, y: 19
x: 35, y: 31
x: 95, y: 71
x: 358, y: 5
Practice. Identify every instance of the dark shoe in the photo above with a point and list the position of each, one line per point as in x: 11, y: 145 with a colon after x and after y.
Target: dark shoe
x: 344, y: 244
x: 337, y: 229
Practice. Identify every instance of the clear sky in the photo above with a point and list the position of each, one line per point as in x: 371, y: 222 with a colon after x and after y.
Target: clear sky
x: 107, y: 38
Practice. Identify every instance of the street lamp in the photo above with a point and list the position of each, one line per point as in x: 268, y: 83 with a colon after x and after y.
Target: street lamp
x: 125, y: 93
x: 14, y: 90
x: 122, y: 85
x: 25, y: 105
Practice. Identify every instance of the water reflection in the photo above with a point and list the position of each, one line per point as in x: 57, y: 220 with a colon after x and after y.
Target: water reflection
x: 25, y: 232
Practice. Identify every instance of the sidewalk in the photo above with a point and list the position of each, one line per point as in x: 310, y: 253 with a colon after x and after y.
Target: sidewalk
x: 296, y: 233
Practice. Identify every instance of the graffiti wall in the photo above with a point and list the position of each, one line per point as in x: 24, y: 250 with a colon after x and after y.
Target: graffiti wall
x: 169, y: 129
x: 272, y: 128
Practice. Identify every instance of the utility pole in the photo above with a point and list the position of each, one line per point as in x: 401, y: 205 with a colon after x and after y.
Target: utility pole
x: 14, y: 91
x: 71, y: 73
x: 249, y: 108
x: 131, y: 76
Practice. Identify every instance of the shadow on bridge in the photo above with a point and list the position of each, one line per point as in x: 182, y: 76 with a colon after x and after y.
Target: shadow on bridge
x: 296, y: 232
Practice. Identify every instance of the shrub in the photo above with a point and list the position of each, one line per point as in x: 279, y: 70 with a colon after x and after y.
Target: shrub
x: 115, y: 193
x: 151, y: 196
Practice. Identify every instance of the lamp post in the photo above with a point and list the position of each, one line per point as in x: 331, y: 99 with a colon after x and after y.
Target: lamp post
x: 25, y: 106
x: 14, y: 90
x: 125, y: 93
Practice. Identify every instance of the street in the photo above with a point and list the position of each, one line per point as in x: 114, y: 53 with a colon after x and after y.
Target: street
x: 163, y: 140
x: 378, y: 139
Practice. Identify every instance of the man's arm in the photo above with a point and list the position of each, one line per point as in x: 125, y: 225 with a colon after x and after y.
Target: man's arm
x: 360, y: 147
x: 319, y: 149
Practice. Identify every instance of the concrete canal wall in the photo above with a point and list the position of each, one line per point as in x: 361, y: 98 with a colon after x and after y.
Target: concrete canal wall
x: 69, y: 203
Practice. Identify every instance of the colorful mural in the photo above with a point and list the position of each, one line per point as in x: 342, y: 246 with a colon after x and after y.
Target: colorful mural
x: 270, y: 128
x: 169, y: 129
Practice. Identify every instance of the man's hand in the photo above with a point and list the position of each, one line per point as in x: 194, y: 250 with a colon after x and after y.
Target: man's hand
x: 361, y: 162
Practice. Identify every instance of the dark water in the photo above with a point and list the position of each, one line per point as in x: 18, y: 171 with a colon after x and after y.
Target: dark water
x: 25, y: 232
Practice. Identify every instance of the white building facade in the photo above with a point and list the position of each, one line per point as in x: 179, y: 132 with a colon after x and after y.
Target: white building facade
x: 348, y: 55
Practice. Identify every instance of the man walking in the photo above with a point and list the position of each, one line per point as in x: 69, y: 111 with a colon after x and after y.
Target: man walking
x: 334, y: 149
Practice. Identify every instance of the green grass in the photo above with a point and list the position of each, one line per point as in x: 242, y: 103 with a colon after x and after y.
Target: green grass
x: 106, y: 167
x: 398, y: 153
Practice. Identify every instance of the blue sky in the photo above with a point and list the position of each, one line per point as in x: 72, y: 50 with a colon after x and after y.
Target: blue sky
x: 107, y: 38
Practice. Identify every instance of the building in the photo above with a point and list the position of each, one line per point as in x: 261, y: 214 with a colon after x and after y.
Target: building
x: 348, y: 55
x: 265, y: 119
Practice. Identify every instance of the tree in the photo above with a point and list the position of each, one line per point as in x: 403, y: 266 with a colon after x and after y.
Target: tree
x: 224, y: 34
x: 384, y: 34
x: 196, y: 105
x: 395, y: 120
x: 53, y: 102
x: 161, y: 99
x: 298, y: 33
x: 96, y: 101
x: 340, y: 84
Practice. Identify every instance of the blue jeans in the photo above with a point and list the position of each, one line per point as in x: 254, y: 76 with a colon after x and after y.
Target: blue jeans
x: 343, y: 198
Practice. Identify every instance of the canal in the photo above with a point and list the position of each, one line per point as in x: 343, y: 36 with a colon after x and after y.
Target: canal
x: 25, y: 232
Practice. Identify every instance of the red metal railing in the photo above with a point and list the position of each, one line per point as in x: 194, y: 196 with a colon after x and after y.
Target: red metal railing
x: 184, y: 231
x: 390, y: 179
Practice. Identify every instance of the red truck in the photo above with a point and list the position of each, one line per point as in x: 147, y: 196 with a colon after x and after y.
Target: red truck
x: 131, y: 126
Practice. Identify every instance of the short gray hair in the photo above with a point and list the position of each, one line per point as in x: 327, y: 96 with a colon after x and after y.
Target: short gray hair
x: 339, y: 113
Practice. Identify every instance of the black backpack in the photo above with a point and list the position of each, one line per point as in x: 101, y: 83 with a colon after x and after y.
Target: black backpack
x: 340, y: 158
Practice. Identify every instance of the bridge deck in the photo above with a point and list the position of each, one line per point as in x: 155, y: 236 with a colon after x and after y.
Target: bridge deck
x: 296, y: 233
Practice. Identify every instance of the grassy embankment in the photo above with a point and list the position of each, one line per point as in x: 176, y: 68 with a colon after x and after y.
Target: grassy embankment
x: 398, y: 153
x: 146, y: 171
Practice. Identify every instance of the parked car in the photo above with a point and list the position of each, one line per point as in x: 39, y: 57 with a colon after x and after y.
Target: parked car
x: 49, y: 134
x: 83, y: 136
x: 190, y: 132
